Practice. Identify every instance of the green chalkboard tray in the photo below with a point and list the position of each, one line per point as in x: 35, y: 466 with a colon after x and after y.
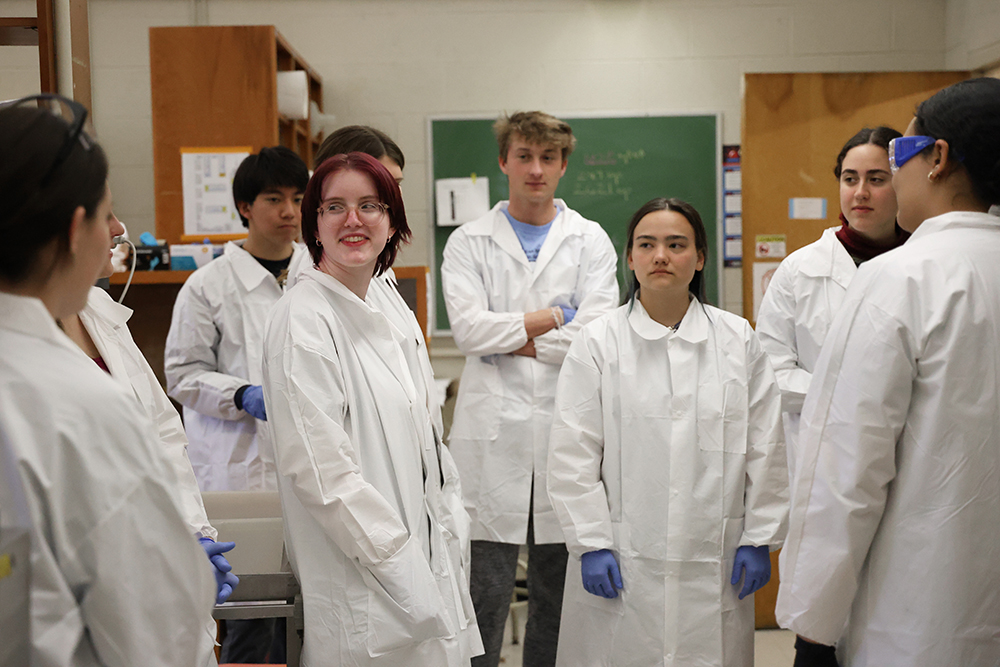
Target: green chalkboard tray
x: 619, y: 164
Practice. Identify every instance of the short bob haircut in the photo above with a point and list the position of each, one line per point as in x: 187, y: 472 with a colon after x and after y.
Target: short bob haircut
x: 35, y: 214
x: 697, y: 286
x: 967, y: 116
x: 879, y: 136
x: 272, y: 168
x: 388, y: 193
x: 361, y: 139
x: 537, y: 127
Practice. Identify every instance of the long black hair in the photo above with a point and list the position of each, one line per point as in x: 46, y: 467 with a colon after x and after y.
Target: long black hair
x: 697, y: 286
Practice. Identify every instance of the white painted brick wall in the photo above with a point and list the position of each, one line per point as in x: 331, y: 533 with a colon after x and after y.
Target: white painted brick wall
x: 391, y: 63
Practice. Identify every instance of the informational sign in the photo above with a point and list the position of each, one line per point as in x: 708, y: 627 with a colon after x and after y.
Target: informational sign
x: 460, y: 200
x: 770, y: 246
x: 207, y: 182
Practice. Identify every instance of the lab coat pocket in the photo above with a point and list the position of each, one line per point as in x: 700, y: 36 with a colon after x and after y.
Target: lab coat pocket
x: 477, y: 411
x: 575, y: 594
x: 405, y: 606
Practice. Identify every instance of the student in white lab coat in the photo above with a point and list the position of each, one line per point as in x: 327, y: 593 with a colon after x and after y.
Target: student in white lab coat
x: 666, y: 465
x: 117, y: 577
x: 384, y: 296
x: 213, y: 349
x: 101, y: 331
x: 809, y: 285
x: 212, y: 357
x: 519, y: 282
x: 361, y: 477
x: 892, y: 547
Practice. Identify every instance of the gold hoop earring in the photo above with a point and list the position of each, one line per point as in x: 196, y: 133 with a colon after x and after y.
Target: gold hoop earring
x: 319, y: 244
x: 930, y: 176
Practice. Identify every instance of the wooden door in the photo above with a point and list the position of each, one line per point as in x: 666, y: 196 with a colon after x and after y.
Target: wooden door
x: 793, y: 128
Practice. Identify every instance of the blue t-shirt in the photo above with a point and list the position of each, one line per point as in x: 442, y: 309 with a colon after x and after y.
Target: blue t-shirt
x: 531, y: 236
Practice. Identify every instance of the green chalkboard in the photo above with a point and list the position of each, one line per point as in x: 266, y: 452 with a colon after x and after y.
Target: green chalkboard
x: 619, y: 164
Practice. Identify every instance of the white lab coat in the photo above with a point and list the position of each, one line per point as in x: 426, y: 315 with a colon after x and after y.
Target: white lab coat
x: 795, y: 315
x: 503, y: 415
x: 117, y: 578
x: 892, y: 548
x: 363, y: 484
x: 107, y: 323
x: 214, y: 347
x: 667, y: 449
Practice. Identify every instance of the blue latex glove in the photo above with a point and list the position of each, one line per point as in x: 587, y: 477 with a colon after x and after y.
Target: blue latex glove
x: 225, y: 580
x: 600, y: 573
x: 756, y: 562
x: 147, y: 239
x: 568, y: 314
x: 253, y: 402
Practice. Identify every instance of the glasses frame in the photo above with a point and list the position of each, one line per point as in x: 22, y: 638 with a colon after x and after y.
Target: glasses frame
x: 357, y: 212
x: 902, y: 149
x: 76, y: 130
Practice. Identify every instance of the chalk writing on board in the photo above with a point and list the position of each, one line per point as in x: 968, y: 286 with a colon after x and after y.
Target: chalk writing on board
x: 611, y: 158
x: 600, y: 183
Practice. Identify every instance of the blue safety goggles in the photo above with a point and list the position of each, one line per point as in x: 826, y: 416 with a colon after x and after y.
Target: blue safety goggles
x: 901, y: 149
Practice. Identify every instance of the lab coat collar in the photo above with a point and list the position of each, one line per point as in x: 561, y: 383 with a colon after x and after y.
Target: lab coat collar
x: 956, y: 219
x: 103, y: 306
x: 28, y: 315
x: 829, y: 258
x: 693, y: 327
x: 249, y: 271
x: 102, y: 312
x: 499, y: 228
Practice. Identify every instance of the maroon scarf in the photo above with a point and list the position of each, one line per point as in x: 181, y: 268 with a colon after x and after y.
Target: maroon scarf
x: 860, y: 248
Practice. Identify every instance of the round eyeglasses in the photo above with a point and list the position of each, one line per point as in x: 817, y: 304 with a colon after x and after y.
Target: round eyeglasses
x: 368, y: 213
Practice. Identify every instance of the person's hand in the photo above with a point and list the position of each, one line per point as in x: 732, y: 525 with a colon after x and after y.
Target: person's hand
x: 600, y: 573
x: 253, y: 401
x: 526, y: 350
x: 225, y: 580
x: 756, y: 563
x: 568, y: 314
x: 810, y: 654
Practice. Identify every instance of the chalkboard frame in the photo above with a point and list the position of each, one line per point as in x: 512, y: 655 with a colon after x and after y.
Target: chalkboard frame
x: 713, y: 223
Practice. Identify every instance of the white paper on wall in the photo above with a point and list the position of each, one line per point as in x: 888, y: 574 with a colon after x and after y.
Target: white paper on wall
x: 733, y: 204
x: 460, y: 200
x: 807, y: 208
x: 207, y: 186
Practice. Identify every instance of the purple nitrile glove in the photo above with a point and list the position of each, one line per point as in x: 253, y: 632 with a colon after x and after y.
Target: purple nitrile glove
x: 756, y: 562
x: 225, y: 580
x: 600, y: 573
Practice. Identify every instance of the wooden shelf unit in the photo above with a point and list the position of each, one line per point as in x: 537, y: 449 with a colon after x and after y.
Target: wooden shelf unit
x: 216, y: 86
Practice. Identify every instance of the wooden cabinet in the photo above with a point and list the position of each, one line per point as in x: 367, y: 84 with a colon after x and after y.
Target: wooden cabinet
x: 216, y: 86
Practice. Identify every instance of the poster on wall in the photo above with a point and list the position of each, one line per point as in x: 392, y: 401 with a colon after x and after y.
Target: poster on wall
x: 207, y: 186
x: 732, y: 206
x: 762, y: 274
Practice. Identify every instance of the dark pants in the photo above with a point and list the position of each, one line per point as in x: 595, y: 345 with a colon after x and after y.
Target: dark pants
x: 258, y: 640
x: 494, y: 569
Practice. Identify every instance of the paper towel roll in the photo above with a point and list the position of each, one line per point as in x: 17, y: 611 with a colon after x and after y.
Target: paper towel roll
x: 293, y: 94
